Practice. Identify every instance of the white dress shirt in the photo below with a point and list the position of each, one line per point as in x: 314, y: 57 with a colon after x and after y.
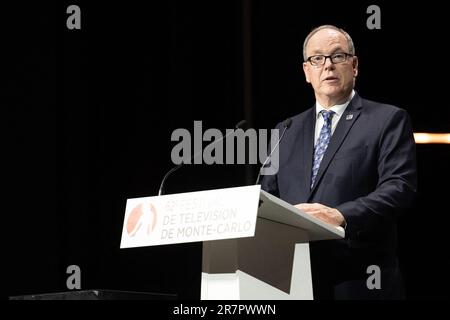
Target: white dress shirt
x: 338, y: 110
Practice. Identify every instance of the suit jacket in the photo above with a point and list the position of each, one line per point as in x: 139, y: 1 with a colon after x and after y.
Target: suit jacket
x: 368, y: 173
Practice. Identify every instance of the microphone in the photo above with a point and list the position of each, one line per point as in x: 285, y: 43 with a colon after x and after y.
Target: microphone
x: 286, y: 126
x: 240, y: 125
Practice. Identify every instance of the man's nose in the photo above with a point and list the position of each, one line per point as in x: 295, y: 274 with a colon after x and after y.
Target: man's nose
x: 328, y: 63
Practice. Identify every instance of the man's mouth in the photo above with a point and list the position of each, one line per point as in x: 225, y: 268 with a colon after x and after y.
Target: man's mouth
x: 331, y: 78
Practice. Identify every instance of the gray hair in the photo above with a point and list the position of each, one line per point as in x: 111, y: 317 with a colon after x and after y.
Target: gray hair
x: 351, y: 47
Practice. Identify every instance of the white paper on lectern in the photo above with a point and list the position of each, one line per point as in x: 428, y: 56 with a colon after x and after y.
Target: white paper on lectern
x: 190, y: 217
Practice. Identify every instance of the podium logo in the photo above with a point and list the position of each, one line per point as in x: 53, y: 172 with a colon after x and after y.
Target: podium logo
x: 142, y: 220
x: 235, y: 147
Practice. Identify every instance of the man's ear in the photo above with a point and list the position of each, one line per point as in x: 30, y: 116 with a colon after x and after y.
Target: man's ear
x: 306, y: 71
x: 355, y: 66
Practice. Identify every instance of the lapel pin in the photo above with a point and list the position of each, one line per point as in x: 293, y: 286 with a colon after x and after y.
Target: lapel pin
x: 349, y: 117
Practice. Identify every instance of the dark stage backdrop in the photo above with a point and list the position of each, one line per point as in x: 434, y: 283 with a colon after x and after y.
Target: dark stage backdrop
x: 88, y: 116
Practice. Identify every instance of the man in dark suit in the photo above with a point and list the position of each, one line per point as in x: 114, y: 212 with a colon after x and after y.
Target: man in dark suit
x: 350, y: 162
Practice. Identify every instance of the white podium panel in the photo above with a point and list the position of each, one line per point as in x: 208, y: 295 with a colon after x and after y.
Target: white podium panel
x: 190, y: 217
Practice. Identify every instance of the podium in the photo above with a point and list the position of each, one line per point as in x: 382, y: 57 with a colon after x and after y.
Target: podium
x: 261, y: 252
x: 274, y: 264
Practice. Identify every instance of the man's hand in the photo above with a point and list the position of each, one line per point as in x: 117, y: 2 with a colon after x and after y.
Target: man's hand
x: 324, y: 213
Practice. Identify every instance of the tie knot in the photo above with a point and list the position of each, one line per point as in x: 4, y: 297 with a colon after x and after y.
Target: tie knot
x: 327, y: 114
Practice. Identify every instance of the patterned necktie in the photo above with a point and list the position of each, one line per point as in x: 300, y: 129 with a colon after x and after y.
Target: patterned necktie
x: 322, y: 143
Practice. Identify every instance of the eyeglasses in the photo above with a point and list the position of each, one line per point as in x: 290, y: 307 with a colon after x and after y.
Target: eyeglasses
x: 319, y: 60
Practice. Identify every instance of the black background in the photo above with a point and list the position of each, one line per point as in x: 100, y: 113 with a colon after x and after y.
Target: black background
x: 87, y: 117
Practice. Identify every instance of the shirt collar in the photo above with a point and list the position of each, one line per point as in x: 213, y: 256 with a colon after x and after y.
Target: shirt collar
x: 337, y: 108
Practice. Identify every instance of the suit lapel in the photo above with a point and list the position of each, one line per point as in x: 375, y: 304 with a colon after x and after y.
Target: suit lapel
x: 348, y: 118
x: 307, y: 149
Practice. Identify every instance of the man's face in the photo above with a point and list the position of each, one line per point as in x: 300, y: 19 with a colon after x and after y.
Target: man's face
x: 332, y: 83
